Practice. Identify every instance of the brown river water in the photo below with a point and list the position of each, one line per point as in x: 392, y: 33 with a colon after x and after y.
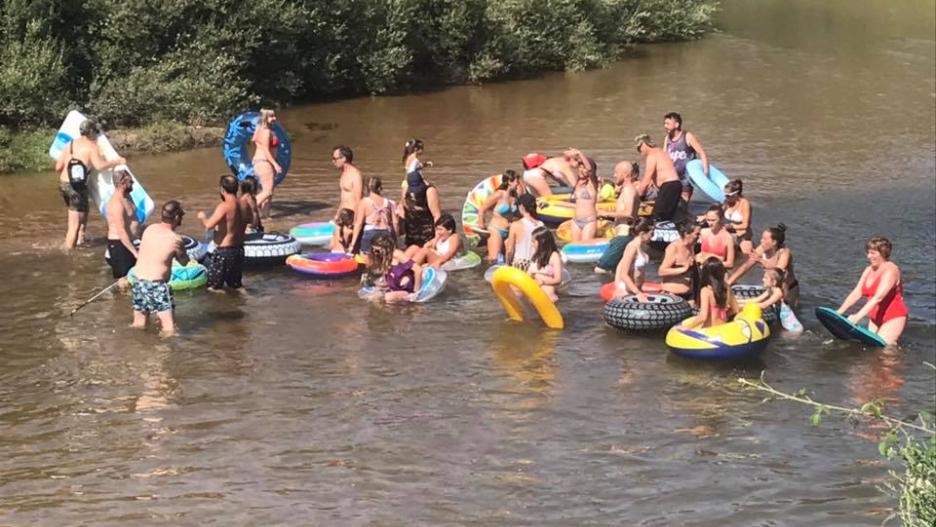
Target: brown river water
x: 298, y: 403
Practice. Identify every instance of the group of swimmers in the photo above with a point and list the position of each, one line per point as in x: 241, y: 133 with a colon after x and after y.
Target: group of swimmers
x: 694, y: 266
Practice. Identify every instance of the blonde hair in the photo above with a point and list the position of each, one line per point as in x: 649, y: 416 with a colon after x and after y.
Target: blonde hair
x: 265, y: 115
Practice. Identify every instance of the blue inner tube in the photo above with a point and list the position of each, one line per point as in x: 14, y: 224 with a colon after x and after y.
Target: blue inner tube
x: 237, y: 155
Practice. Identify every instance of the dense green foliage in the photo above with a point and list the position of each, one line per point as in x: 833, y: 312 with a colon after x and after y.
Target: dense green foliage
x: 133, y: 62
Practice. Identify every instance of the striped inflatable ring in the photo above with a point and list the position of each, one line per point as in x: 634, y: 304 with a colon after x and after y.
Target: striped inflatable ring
x: 585, y: 252
x: 323, y: 265
x: 316, y: 234
x: 473, y: 203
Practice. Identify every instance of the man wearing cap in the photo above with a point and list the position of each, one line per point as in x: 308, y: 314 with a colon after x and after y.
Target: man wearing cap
x: 682, y: 147
x: 121, y: 217
x: 659, y: 171
x: 159, y: 245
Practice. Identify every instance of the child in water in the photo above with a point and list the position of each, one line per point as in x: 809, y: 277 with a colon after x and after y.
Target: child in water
x: 391, y: 271
x: 442, y: 248
x: 772, y: 297
x: 716, y: 302
x: 248, y: 198
x: 546, y: 263
x: 344, y: 232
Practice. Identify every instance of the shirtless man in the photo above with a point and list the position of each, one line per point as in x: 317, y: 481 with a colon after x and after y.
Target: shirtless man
x: 226, y: 263
x: 682, y: 147
x: 659, y: 171
x: 121, y: 217
x: 159, y: 245
x: 84, y: 151
x: 350, y: 181
x: 628, y: 200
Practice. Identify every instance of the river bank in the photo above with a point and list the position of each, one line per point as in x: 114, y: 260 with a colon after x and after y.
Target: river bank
x: 28, y: 150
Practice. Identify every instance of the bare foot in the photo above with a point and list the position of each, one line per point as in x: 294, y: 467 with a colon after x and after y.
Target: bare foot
x: 138, y: 326
x: 599, y: 270
x: 218, y: 290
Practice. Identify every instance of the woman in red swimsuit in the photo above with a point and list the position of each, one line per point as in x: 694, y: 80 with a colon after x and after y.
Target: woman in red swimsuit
x: 881, y: 284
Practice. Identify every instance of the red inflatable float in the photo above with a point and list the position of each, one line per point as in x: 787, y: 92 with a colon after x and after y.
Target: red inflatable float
x: 607, y: 290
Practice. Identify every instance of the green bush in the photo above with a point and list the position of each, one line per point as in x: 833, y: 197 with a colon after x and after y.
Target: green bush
x: 25, y: 149
x: 135, y: 62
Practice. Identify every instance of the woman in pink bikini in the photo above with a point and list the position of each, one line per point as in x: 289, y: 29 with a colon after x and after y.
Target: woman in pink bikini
x: 882, y: 285
x: 716, y: 240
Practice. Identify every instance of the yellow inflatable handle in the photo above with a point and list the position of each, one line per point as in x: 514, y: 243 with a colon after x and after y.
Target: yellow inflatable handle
x: 505, y: 277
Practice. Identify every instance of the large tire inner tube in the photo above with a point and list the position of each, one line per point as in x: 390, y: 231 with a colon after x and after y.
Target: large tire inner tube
x: 660, y: 311
x: 270, y: 248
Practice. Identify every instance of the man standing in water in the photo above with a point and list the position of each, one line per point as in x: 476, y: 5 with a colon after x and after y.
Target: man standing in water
x: 661, y: 173
x: 121, y: 221
x: 226, y: 263
x: 625, y: 214
x: 159, y: 245
x: 350, y: 180
x: 682, y: 147
x: 74, y: 168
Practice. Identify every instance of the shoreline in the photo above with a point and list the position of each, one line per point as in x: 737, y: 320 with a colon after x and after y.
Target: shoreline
x: 27, y: 150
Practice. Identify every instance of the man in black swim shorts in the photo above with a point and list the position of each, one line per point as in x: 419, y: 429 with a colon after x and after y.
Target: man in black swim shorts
x: 661, y: 173
x: 121, y: 216
x: 225, y: 265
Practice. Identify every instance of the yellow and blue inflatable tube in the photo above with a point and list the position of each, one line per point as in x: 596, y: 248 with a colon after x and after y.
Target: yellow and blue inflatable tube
x: 744, y: 337
x: 505, y: 277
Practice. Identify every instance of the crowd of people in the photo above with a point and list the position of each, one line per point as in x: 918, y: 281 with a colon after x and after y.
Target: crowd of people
x: 396, y: 239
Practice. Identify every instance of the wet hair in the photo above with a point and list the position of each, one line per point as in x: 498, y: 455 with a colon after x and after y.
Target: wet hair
x: 776, y: 275
x: 545, y: 246
x: 686, y: 228
x: 172, y: 211
x: 713, y: 275
x: 643, y: 225
x: 528, y: 202
x: 644, y: 139
x: 121, y: 177
x: 345, y: 152
x: 881, y: 245
x: 734, y: 185
x: 265, y: 115
x: 674, y: 116
x: 508, y: 177
x: 411, y: 146
x: 249, y: 185
x: 228, y: 184
x: 345, y: 218
x: 374, y: 185
x: 778, y: 234
x: 446, y: 221
x: 381, y: 255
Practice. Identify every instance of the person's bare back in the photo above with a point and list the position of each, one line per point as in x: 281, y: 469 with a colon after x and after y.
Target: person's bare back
x: 660, y: 168
x: 159, y: 245
x: 228, y: 223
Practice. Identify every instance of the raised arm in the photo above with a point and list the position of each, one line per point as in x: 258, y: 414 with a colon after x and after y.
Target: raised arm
x: 214, y: 220
x: 743, y: 269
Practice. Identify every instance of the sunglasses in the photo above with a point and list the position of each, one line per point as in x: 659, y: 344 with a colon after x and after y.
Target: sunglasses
x: 337, y: 158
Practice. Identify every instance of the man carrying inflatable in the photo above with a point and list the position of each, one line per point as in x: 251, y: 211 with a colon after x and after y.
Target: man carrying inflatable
x: 682, y: 147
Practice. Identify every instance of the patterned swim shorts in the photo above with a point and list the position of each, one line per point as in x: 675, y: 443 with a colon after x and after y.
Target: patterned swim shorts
x: 152, y: 296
